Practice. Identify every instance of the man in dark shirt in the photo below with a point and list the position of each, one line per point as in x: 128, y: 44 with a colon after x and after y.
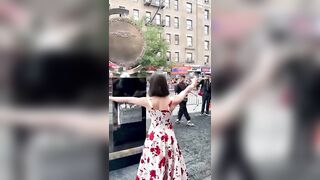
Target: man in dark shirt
x: 305, y: 83
x: 183, y: 105
x: 206, y: 94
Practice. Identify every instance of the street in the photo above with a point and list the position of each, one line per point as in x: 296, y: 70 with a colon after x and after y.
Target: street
x: 195, y: 146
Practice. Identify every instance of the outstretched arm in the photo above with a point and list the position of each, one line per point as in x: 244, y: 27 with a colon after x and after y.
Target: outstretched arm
x: 132, y: 100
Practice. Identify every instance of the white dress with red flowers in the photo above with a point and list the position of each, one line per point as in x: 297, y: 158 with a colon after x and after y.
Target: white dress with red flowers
x: 161, y: 157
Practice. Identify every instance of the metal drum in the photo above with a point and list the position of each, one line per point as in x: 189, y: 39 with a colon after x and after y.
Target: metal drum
x: 126, y: 42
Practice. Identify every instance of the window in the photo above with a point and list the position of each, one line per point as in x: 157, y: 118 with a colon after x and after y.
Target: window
x: 189, y: 8
x: 168, y: 55
x: 206, y: 1
x: 206, y: 59
x: 176, y: 22
x: 148, y: 16
x: 136, y: 14
x: 206, y: 30
x: 168, y: 21
x: 157, y: 2
x: 189, y: 58
x: 189, y: 24
x: 206, y: 14
x: 122, y: 7
x: 168, y: 38
x: 167, y: 3
x: 189, y: 41
x: 176, y: 39
x: 206, y: 45
x: 158, y: 19
x: 177, y: 56
x: 176, y: 5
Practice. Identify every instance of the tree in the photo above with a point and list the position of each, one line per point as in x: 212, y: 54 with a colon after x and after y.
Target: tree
x: 155, y: 46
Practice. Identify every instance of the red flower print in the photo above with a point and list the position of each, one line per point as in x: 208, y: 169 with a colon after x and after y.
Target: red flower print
x: 172, y: 140
x: 151, y: 135
x: 164, y: 138
x: 152, y: 174
x: 157, y: 150
x: 162, y: 162
x: 160, y: 159
x: 169, y: 154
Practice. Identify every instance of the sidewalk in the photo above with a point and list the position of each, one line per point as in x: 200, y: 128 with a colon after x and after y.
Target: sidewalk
x: 195, y: 146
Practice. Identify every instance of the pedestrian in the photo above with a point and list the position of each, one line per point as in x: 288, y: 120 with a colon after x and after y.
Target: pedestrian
x: 304, y: 71
x: 205, y: 91
x: 161, y: 157
x: 181, y: 86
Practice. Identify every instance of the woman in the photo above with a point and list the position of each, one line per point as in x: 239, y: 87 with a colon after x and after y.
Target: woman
x: 205, y: 90
x: 161, y: 157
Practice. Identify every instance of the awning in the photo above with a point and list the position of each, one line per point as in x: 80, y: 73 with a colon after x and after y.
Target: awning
x: 206, y: 70
x: 179, y: 70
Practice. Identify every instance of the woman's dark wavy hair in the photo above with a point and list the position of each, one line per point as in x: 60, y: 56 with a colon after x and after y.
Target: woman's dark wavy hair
x: 158, y: 86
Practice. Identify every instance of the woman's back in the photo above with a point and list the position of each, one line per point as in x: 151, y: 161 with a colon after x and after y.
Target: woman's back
x: 160, y: 103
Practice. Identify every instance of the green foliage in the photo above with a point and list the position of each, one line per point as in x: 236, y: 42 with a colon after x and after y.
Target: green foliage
x: 142, y: 73
x: 155, y: 45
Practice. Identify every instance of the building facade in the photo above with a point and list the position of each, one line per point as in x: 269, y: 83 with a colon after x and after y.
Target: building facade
x: 187, y: 26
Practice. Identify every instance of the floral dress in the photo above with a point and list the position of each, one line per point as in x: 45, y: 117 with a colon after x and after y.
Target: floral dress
x: 161, y: 157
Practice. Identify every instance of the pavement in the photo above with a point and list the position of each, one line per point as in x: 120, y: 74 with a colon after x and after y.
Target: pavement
x: 195, y: 146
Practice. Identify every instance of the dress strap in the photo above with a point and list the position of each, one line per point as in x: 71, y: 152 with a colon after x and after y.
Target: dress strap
x: 170, y: 103
x: 149, y: 102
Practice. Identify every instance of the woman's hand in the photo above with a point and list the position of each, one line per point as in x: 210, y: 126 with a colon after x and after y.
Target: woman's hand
x: 194, y: 82
x: 111, y: 98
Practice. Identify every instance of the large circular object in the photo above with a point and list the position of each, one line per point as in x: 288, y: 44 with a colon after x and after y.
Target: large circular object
x: 126, y: 42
